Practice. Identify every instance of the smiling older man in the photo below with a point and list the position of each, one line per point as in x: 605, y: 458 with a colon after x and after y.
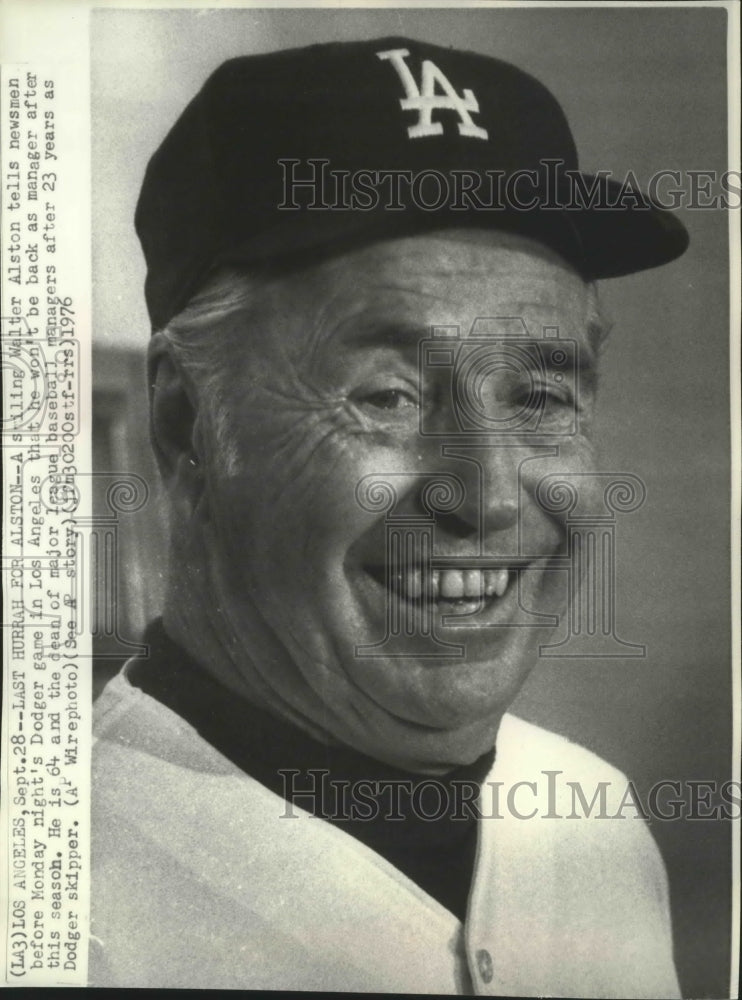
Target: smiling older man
x: 375, y: 337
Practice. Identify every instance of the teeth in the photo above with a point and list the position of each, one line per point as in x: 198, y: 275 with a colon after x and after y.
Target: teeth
x: 414, y: 583
x: 454, y: 584
x: 473, y: 583
x: 409, y: 584
x: 496, y: 581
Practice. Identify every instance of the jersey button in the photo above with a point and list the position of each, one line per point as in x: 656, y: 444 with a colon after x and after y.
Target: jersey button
x: 484, y: 965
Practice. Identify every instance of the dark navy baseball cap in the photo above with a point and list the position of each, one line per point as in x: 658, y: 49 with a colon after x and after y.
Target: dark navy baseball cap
x: 281, y: 158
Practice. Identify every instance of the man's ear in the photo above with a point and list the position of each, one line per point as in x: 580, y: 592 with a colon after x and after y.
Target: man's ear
x: 173, y: 420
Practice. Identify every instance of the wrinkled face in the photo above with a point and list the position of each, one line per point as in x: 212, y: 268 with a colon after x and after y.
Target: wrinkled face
x: 401, y: 619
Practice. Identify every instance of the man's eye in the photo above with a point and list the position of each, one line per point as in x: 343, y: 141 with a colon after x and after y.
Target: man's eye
x: 539, y: 397
x: 387, y: 399
x: 546, y: 396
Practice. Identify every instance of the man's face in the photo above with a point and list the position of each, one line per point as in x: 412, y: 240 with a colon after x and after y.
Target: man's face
x: 327, y: 392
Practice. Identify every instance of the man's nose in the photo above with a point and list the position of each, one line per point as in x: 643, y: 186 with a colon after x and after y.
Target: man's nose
x: 489, y: 479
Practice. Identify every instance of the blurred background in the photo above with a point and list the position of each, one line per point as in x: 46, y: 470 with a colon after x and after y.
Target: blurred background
x: 644, y: 89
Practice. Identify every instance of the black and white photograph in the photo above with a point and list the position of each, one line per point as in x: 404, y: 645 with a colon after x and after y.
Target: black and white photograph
x: 410, y: 560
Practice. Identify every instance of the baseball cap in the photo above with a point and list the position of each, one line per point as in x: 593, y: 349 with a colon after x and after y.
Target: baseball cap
x: 285, y: 156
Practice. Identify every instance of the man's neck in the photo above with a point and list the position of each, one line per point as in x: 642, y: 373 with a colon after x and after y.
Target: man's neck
x: 425, y: 828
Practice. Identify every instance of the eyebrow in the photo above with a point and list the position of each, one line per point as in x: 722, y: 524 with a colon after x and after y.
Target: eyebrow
x: 387, y: 335
x: 409, y: 335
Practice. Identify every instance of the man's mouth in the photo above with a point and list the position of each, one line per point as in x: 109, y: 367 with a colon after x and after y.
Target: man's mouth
x: 460, y: 586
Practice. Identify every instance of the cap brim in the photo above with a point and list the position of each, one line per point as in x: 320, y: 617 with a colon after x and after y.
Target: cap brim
x: 615, y: 233
x: 625, y: 231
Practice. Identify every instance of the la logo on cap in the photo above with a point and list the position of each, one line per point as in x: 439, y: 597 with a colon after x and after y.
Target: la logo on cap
x: 425, y: 100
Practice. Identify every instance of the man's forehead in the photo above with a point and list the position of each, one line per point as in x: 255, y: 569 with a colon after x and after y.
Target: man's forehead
x: 475, y: 251
x: 399, y: 291
x: 440, y: 278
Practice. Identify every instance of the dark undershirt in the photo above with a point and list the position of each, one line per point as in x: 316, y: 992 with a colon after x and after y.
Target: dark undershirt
x: 437, y: 853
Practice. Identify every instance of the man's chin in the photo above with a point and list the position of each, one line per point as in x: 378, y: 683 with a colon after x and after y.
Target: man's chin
x: 431, y: 699
x: 431, y: 749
